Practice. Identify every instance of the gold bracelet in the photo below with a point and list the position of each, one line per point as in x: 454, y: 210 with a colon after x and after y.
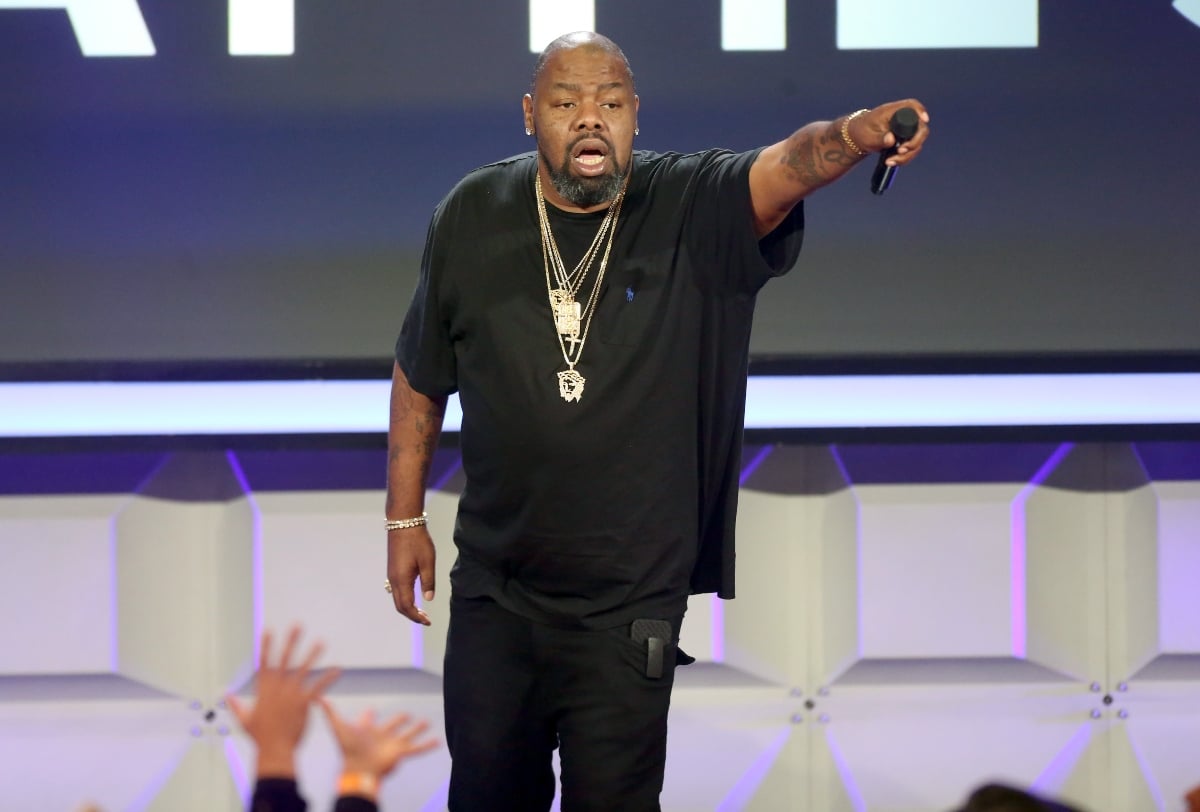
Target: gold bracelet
x: 364, y: 785
x: 846, y: 139
x: 401, y: 524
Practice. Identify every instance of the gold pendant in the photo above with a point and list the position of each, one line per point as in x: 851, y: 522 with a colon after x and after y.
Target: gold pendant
x: 570, y: 385
x: 566, y: 313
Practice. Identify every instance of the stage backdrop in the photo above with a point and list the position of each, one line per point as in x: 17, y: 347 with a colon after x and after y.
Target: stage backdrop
x: 167, y: 201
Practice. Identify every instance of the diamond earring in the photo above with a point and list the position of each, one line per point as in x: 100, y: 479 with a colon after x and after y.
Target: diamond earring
x: 528, y: 131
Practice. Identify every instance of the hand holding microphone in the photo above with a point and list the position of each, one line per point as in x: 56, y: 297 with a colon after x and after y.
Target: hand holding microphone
x: 903, y: 125
x: 904, y: 120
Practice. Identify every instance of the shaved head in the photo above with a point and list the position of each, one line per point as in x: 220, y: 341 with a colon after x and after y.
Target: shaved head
x: 587, y: 40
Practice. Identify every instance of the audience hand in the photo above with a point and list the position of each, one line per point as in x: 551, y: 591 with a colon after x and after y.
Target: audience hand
x: 373, y: 750
x: 283, y: 693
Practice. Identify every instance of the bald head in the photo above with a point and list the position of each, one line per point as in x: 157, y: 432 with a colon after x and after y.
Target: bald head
x: 582, y: 41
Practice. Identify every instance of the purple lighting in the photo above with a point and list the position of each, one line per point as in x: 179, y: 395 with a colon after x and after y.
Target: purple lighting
x: 749, y: 468
x: 237, y: 771
x: 439, y: 799
x: 858, y: 557
x: 1018, y: 551
x: 1054, y: 777
x: 1147, y: 774
x: 256, y: 541
x: 843, y: 768
x: 743, y: 791
x: 159, y: 779
x: 447, y: 475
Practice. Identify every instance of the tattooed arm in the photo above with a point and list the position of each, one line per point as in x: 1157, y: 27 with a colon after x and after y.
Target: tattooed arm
x: 816, y: 155
x: 413, y: 431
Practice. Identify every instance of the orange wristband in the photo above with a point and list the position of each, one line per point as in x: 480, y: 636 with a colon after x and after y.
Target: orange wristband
x: 364, y: 784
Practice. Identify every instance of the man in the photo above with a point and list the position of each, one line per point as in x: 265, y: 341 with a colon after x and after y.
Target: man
x: 592, y: 306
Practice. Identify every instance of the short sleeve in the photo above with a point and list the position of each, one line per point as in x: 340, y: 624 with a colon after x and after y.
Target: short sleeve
x: 722, y: 225
x: 424, y: 348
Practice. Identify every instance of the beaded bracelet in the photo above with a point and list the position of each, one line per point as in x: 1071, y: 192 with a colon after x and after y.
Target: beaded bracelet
x: 401, y: 524
x: 846, y: 139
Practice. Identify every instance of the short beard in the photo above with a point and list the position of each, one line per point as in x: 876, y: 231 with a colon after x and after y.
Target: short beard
x: 585, y: 193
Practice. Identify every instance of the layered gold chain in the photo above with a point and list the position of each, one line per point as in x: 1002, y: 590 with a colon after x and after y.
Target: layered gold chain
x: 572, y: 320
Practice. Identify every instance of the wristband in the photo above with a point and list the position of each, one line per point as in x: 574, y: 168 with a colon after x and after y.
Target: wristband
x: 363, y: 784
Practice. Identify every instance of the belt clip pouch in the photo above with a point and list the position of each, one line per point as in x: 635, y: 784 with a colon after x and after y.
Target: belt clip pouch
x: 656, y: 634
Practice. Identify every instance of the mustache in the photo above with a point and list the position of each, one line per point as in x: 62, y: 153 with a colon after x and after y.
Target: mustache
x: 590, y: 137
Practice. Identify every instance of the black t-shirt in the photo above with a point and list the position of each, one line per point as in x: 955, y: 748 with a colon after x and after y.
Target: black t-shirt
x: 619, y: 505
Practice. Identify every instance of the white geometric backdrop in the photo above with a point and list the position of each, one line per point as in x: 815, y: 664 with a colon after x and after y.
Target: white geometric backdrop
x: 912, y: 620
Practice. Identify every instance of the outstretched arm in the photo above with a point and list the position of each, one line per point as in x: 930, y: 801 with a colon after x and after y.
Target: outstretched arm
x: 819, y: 153
x: 413, y: 431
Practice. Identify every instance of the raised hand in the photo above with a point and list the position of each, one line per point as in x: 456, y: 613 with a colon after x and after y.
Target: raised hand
x: 283, y: 693
x: 378, y: 747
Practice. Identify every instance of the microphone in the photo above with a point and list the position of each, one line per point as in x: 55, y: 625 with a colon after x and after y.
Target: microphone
x: 903, y: 125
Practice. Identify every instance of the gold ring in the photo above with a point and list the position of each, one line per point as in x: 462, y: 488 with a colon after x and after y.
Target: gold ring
x: 387, y: 586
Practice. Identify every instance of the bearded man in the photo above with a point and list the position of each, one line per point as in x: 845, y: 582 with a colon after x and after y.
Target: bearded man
x: 591, y: 304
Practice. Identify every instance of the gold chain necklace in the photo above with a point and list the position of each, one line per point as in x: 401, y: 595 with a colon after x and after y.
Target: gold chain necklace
x: 571, y: 320
x: 573, y: 281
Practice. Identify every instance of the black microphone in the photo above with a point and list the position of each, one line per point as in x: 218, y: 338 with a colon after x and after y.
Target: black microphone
x: 903, y: 125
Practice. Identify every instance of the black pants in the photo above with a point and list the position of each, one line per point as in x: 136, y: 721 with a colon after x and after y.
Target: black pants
x: 514, y: 690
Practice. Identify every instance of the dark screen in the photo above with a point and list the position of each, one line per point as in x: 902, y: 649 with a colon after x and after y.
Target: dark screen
x: 197, y: 207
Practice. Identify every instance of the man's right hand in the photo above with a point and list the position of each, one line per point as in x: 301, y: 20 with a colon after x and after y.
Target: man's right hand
x: 411, y: 555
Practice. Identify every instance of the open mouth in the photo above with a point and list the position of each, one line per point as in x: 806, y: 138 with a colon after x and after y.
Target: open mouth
x: 590, y: 157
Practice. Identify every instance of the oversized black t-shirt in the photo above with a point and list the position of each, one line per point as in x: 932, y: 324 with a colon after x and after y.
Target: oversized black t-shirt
x: 619, y: 505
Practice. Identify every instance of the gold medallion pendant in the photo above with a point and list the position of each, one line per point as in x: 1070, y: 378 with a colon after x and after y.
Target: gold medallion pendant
x: 570, y: 385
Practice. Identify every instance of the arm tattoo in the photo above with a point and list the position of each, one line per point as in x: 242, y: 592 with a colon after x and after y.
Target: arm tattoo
x: 416, y: 425
x: 816, y: 161
x: 428, y: 427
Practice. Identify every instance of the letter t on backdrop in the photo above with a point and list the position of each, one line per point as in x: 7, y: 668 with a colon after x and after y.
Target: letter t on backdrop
x: 102, y: 27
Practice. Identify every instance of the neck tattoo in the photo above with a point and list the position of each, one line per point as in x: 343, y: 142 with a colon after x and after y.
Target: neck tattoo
x: 572, y: 319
